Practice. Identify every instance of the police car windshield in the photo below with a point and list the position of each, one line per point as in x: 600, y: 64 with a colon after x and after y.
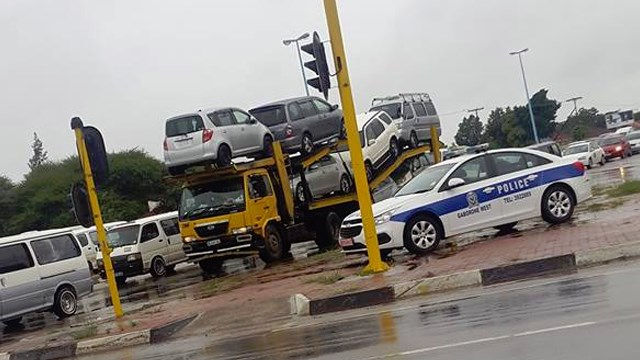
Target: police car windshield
x: 577, y: 149
x: 425, y: 180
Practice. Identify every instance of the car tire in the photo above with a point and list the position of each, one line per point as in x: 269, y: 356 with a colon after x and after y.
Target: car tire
x: 300, y: 194
x: 557, y: 204
x: 267, y: 146
x: 211, y: 266
x: 224, y: 156
x: 65, y: 302
x: 368, y: 169
x: 274, y: 245
x: 306, y: 144
x: 422, y: 234
x: 603, y: 161
x: 13, y: 323
x: 590, y: 164
x: 413, y: 140
x: 328, y: 231
x: 345, y: 184
x: 158, y: 267
x: 506, y: 227
x: 394, y: 150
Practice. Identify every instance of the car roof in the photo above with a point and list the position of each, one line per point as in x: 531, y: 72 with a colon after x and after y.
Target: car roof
x: 362, y: 118
x: 284, y: 101
x: 93, y: 228
x: 202, y: 111
x: 496, y: 151
x: 576, y: 143
x: 147, y: 219
x: 34, y: 235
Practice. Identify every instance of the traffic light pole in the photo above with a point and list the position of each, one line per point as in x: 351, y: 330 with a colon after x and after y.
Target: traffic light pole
x: 435, y: 145
x: 304, y: 77
x: 77, y: 126
x: 353, y: 140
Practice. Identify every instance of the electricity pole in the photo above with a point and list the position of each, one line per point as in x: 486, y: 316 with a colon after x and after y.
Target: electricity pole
x: 475, y: 111
x: 575, y: 104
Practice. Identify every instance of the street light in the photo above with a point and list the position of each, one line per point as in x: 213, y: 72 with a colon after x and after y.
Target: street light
x: 288, y: 42
x: 526, y: 90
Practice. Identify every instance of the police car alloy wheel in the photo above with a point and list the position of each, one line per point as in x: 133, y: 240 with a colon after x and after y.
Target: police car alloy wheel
x: 422, y: 235
x: 557, y: 205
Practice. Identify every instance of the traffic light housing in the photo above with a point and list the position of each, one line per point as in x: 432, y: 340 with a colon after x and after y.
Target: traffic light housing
x: 318, y: 65
x: 80, y: 205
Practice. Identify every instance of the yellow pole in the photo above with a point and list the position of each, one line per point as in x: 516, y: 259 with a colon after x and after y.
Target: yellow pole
x: 97, y: 218
x: 353, y: 139
x: 435, y: 144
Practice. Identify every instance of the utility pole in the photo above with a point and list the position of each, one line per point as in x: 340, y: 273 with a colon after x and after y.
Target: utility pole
x: 575, y: 104
x: 475, y: 111
x: 526, y: 91
x: 287, y: 42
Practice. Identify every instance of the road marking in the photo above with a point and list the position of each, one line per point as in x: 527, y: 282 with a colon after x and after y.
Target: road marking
x: 484, y: 340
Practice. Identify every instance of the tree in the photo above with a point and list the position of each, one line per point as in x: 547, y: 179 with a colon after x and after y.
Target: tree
x: 493, y: 133
x: 7, y: 203
x: 636, y: 116
x: 469, y: 131
x: 584, y: 123
x: 39, y: 156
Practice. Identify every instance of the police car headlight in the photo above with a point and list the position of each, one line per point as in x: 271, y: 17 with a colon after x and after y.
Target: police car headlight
x: 384, y: 217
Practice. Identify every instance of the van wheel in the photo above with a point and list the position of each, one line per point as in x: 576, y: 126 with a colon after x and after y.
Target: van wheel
x: 557, y: 204
x: 65, y: 302
x: 328, y: 231
x: 413, y: 140
x: 306, y: 146
x: 422, y: 234
x: 13, y: 323
x: 274, y: 246
x: 345, y: 184
x: 394, y: 150
x: 158, y: 267
x: 224, y: 156
x: 267, y: 146
x: 211, y: 266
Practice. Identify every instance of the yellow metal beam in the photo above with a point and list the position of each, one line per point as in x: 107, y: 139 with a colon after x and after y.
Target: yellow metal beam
x: 322, y: 153
x: 332, y: 201
x: 362, y: 187
x: 97, y: 218
x: 278, y: 159
x: 435, y: 144
x: 401, y: 159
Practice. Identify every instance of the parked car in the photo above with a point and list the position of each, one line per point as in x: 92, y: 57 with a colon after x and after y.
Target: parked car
x: 587, y: 152
x: 302, y: 123
x: 493, y: 189
x: 624, y: 130
x: 634, y: 140
x: 88, y: 238
x: 148, y: 245
x: 324, y: 177
x: 378, y: 138
x: 414, y: 113
x: 41, y: 270
x: 615, y: 145
x: 213, y: 136
x: 550, y: 147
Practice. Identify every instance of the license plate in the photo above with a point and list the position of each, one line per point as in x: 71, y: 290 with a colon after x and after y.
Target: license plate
x: 346, y: 242
x: 213, y: 242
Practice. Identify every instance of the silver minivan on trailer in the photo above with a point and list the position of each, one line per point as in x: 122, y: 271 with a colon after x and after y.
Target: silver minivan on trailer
x: 41, y: 270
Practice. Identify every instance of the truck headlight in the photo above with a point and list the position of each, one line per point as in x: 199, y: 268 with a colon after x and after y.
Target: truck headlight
x: 188, y: 239
x: 133, y: 257
x: 384, y: 217
x: 241, y: 230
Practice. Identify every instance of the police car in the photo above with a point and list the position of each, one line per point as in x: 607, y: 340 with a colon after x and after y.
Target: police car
x: 496, y: 188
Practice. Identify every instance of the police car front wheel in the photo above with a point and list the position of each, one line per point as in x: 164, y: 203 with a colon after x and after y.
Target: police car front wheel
x: 557, y: 204
x: 422, y: 234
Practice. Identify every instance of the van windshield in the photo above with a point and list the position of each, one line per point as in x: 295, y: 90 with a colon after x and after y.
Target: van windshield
x: 213, y: 198
x: 123, y: 236
x: 269, y: 115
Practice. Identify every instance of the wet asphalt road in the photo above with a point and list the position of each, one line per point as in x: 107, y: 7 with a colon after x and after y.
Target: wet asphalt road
x: 594, y: 314
x: 615, y: 171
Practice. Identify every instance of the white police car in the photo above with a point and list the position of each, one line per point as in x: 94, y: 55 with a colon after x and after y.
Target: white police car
x: 496, y: 188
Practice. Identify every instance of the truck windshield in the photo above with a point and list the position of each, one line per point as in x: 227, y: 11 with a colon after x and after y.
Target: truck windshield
x: 212, y: 198
x: 123, y: 236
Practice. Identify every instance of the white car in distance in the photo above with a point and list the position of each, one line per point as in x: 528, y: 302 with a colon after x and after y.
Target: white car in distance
x: 587, y: 152
x: 378, y: 138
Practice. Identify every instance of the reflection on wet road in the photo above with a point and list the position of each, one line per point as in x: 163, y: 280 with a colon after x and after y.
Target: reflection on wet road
x: 581, y: 316
x: 615, y: 171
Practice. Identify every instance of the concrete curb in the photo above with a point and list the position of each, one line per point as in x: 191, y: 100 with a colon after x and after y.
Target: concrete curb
x: 71, y: 349
x: 567, y: 263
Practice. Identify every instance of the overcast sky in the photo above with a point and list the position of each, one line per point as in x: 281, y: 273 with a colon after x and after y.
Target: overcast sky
x: 125, y: 66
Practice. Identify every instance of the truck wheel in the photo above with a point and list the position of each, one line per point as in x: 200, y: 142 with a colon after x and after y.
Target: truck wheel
x: 274, y: 247
x: 65, y: 302
x: 328, y: 231
x: 211, y: 266
x: 422, y: 234
x: 158, y: 267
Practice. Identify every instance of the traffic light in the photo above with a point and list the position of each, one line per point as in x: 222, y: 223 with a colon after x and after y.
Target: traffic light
x: 97, y: 154
x: 80, y: 203
x: 319, y: 65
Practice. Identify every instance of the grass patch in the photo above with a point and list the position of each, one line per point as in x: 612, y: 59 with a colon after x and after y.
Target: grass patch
x: 85, y: 332
x: 598, y: 190
x: 326, y: 279
x: 627, y: 188
x: 219, y: 285
x: 604, y: 205
x: 319, y: 259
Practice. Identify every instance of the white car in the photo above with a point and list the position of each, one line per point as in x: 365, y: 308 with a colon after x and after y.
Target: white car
x: 634, y: 141
x: 624, y: 130
x: 213, y: 136
x: 587, y: 152
x: 88, y: 238
x: 378, y: 138
x: 493, y: 189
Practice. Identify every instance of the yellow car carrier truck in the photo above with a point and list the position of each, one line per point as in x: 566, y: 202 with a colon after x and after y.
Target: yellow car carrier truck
x: 247, y: 208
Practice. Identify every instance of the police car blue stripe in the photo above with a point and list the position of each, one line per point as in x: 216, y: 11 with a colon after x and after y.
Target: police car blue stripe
x: 503, y: 188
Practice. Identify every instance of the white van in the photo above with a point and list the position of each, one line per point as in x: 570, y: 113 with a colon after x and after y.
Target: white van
x: 41, y: 270
x: 148, y: 245
x: 88, y: 238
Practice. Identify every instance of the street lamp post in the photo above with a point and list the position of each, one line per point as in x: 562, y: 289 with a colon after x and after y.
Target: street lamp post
x: 526, y: 90
x: 287, y: 42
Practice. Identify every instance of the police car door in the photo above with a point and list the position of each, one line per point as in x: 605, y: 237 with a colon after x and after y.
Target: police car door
x: 517, y: 184
x: 470, y: 204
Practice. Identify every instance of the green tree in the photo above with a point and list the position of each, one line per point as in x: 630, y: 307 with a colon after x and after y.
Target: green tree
x: 469, y: 131
x: 7, y: 203
x: 39, y: 156
x: 584, y: 123
x: 493, y: 133
x: 636, y: 116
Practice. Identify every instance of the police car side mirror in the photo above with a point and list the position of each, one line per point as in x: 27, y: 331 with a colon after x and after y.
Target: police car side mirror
x: 455, y: 182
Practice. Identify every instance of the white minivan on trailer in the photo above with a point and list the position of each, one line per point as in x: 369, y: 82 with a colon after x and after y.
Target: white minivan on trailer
x: 41, y: 270
x: 148, y: 245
